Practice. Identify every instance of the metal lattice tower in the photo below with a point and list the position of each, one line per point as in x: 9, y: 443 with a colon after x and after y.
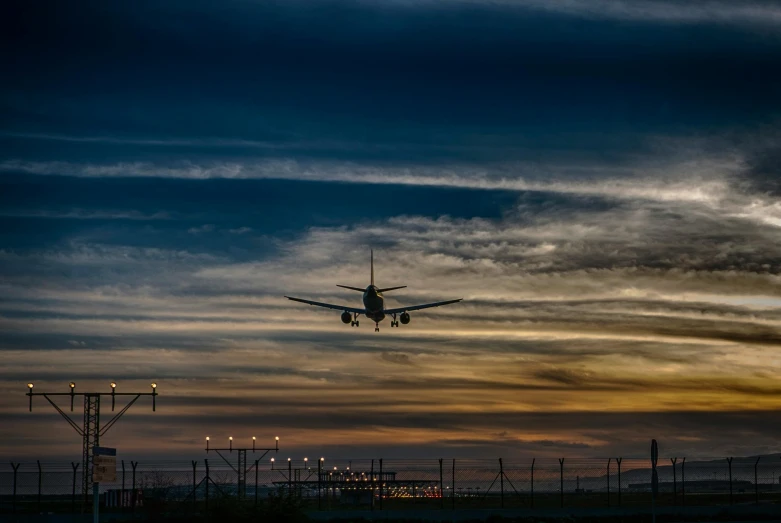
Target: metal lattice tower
x: 90, y: 439
x: 241, y: 468
x: 242, y: 472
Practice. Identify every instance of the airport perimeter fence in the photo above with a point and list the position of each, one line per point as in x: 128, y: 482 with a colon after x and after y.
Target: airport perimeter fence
x: 391, y: 484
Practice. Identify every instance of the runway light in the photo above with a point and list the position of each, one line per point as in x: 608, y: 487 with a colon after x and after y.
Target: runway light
x: 253, y: 438
x: 207, y: 438
x: 30, y: 385
x: 272, y: 460
x: 73, y: 385
x: 322, y: 459
x: 113, y: 385
x: 154, y: 385
x: 230, y: 438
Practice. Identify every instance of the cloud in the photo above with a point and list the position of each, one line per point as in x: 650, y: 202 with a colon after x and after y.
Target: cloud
x: 85, y: 214
x: 202, y: 229
x: 397, y: 358
x: 516, y: 177
x: 666, y: 11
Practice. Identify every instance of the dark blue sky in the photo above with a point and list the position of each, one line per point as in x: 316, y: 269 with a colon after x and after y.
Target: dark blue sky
x: 598, y: 179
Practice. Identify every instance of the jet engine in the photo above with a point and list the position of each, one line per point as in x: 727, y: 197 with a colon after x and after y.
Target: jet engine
x: 347, y: 317
x: 404, y: 318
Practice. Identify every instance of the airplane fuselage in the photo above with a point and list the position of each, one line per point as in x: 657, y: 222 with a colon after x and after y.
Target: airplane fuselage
x: 374, y: 304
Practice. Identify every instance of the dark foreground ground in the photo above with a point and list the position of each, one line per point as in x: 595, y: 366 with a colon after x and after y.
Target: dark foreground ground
x: 283, y: 513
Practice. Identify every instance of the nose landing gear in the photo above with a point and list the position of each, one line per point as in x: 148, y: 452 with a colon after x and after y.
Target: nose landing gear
x: 376, y: 327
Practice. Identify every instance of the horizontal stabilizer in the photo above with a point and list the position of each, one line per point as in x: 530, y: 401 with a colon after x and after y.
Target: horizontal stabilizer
x: 392, y: 288
x: 351, y: 288
x: 419, y: 307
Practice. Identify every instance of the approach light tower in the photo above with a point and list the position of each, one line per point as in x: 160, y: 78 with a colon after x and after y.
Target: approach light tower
x: 241, y: 468
x: 91, y: 431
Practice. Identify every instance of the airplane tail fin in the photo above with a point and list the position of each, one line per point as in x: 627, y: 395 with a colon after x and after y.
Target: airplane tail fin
x: 372, y: 257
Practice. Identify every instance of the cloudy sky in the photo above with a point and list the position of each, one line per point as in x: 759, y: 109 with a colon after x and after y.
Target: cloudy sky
x: 598, y: 179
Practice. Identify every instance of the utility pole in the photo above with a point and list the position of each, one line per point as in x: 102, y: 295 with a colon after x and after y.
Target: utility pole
x: 91, y: 431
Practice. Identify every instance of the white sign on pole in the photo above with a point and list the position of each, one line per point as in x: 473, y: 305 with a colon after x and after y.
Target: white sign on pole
x: 104, y: 465
x: 104, y: 469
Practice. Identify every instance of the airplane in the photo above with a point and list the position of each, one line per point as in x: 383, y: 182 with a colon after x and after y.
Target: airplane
x: 374, y: 305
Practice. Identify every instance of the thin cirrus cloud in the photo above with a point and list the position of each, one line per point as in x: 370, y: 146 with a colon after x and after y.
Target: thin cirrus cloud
x: 758, y: 13
x: 646, y: 297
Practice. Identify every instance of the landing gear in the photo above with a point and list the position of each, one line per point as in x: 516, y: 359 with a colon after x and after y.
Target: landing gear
x: 394, y: 323
x: 376, y: 327
x: 355, y: 322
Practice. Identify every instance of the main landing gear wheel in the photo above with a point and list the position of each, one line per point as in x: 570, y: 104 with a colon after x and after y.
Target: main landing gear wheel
x: 355, y: 323
x: 394, y: 323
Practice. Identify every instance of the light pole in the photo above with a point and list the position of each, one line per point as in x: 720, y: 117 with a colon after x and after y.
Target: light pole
x: 91, y: 430
x: 241, y: 466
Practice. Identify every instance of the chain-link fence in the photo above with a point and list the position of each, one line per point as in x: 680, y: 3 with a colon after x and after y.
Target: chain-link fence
x: 395, y: 484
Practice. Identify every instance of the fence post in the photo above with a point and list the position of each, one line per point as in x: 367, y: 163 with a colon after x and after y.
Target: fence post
x: 683, y: 482
x: 608, y: 482
x: 134, y: 497
x: 122, y: 504
x: 15, y: 467
x: 561, y: 471
x: 73, y: 493
x: 206, y: 482
x: 257, y: 466
x: 195, y: 486
x: 452, y: 486
x: 319, y: 485
x: 729, y: 463
x: 675, y: 483
x: 618, y: 460
x: 40, y: 481
x: 289, y: 478
x: 382, y: 480
x: 501, y: 482
x: 371, y: 482
x: 756, y: 484
x: 532, y: 484
x: 441, y: 485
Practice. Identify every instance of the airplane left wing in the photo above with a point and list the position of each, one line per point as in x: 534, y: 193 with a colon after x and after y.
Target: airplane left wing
x: 418, y: 307
x: 354, y: 310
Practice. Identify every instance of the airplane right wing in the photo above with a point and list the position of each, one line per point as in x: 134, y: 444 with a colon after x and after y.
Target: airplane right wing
x: 418, y: 307
x: 354, y: 310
